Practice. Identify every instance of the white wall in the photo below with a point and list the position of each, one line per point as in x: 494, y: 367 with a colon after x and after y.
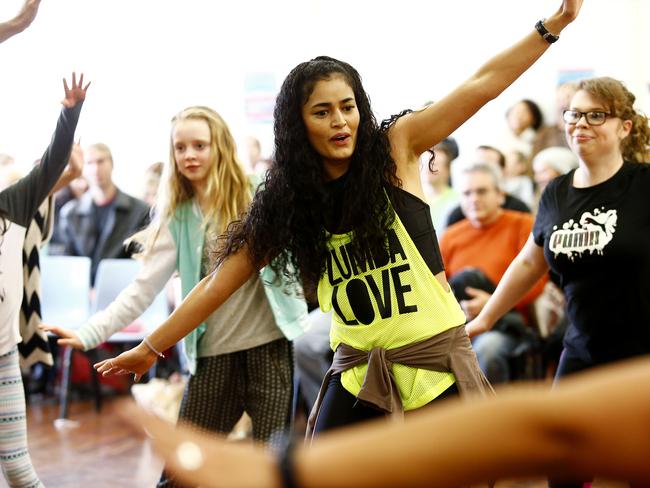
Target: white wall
x: 150, y: 58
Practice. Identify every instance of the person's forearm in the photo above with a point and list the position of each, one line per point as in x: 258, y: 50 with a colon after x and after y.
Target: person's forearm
x: 66, y: 177
x: 454, y: 447
x: 24, y: 197
x: 503, y: 69
x: 208, y: 295
x: 157, y: 268
x: 19, y: 23
x: 567, y: 432
x: 520, y: 276
x: 10, y: 28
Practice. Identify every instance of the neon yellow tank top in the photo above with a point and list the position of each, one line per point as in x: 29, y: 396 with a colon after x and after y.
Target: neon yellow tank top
x: 388, y: 301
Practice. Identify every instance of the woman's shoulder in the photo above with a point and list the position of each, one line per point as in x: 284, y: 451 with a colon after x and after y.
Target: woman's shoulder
x: 638, y: 169
x: 561, y: 182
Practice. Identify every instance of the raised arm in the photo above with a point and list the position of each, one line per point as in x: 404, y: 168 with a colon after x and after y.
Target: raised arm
x: 418, y: 131
x: 208, y: 295
x: 22, y: 199
x: 524, y: 271
x: 21, y: 21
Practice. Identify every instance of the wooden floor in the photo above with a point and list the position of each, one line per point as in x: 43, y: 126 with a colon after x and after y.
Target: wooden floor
x: 98, y: 451
x: 93, y: 450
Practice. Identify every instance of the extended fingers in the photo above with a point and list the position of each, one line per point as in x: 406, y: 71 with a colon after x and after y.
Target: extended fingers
x: 103, y: 366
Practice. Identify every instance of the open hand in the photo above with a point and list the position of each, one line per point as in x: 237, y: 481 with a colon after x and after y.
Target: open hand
x: 76, y: 92
x: 136, y: 361
x: 67, y: 337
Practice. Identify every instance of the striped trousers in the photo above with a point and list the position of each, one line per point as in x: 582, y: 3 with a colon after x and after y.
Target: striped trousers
x: 16, y: 464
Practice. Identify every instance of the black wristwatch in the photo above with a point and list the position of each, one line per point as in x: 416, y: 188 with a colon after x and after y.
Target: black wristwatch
x: 543, y: 31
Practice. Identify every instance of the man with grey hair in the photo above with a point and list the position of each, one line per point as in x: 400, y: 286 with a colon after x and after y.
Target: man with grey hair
x: 476, y: 252
x: 490, y: 155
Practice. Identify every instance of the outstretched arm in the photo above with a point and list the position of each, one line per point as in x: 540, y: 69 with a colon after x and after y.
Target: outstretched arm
x: 522, y: 274
x: 211, y: 292
x: 21, y: 21
x: 529, y: 431
x: 418, y: 131
x: 22, y: 199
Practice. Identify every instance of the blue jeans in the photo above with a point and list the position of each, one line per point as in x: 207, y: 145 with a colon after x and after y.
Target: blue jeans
x: 493, y: 349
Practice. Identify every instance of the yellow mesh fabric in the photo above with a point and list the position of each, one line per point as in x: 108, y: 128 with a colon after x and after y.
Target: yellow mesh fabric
x: 387, y: 302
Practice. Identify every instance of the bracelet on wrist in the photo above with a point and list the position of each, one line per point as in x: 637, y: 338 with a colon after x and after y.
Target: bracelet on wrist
x: 147, y: 343
x: 540, y: 27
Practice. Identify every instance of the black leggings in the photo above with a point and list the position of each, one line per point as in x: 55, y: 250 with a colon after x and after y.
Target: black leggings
x: 340, y: 407
x: 570, y: 363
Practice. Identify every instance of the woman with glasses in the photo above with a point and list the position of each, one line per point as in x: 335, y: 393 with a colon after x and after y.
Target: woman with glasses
x: 593, y: 231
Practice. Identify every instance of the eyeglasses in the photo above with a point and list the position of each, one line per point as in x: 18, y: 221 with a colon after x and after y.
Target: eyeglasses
x: 592, y: 118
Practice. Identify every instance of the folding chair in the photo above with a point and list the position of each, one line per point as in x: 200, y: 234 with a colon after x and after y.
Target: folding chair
x: 65, y: 294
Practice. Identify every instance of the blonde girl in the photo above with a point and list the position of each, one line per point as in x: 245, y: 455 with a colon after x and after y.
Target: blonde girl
x: 240, y: 357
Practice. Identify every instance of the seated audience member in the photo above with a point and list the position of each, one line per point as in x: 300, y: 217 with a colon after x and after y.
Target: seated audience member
x: 524, y: 119
x: 517, y: 178
x: 476, y: 253
x: 313, y: 356
x: 441, y: 197
x: 490, y: 155
x: 72, y: 191
x: 97, y: 224
x: 552, y: 162
x: 256, y: 162
x: 550, y: 308
x: 554, y: 135
x: 152, y: 176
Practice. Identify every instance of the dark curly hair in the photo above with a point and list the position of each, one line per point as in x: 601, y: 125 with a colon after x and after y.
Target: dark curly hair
x: 286, y: 220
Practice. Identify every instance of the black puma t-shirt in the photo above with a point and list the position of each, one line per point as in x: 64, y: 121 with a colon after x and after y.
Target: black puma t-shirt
x: 597, y: 240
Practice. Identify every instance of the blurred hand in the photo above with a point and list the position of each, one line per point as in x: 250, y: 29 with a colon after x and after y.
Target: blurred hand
x: 203, y: 459
x: 76, y: 162
x: 476, y: 327
x: 66, y: 336
x: 478, y: 299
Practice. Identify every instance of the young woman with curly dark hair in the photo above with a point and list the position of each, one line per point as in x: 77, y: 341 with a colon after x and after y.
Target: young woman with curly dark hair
x: 343, y: 208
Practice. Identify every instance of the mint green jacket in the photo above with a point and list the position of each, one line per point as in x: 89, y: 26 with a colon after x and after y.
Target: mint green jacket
x: 286, y: 300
